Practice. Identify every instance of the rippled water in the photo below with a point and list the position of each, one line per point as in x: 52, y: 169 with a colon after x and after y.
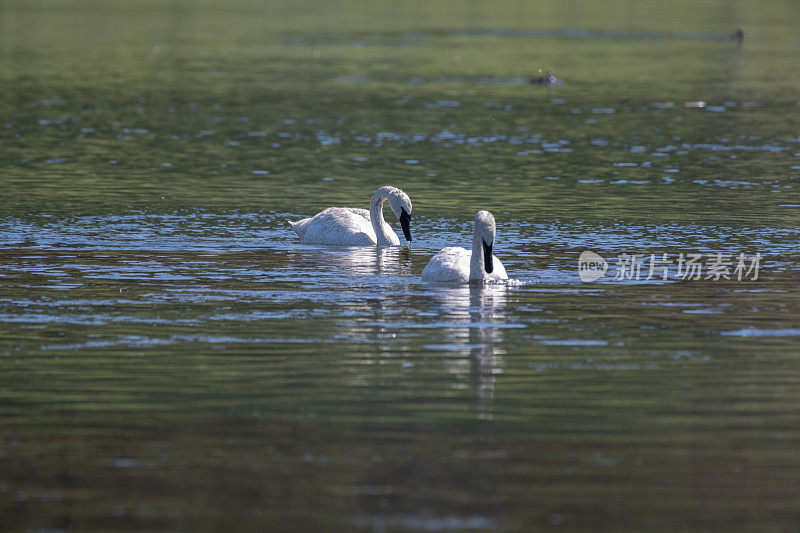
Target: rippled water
x: 172, y: 358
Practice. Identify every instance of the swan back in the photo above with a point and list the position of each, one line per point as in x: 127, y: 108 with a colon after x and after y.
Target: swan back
x: 450, y: 265
x: 341, y: 226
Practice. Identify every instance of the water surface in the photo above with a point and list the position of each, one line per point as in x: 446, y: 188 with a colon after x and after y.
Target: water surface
x: 172, y: 358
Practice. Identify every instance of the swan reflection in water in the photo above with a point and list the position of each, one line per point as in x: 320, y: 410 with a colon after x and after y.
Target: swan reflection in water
x: 353, y: 282
x: 354, y: 262
x: 463, y: 323
x: 473, y: 319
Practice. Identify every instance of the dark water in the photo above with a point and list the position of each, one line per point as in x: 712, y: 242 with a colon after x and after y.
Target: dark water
x: 172, y: 359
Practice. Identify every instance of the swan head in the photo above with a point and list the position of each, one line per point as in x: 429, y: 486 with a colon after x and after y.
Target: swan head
x: 485, y: 230
x: 401, y: 206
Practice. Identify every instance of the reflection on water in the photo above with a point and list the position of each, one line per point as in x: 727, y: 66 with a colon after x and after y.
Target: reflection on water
x: 360, y: 262
x: 172, y: 358
x: 473, y: 343
x: 334, y: 375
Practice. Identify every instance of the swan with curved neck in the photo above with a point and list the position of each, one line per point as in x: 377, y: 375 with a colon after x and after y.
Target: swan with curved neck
x: 347, y: 226
x: 458, y: 265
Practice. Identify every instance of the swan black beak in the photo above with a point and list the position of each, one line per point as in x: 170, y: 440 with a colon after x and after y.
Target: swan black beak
x: 488, y: 262
x: 405, y: 223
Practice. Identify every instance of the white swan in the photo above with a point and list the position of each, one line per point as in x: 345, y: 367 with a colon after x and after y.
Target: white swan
x: 347, y: 226
x: 455, y: 264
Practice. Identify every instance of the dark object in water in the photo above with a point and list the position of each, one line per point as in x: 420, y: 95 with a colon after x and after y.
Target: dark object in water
x: 549, y: 79
x: 738, y: 35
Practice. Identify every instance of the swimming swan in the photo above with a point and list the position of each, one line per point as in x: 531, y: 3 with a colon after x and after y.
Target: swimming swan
x: 347, y: 226
x: 455, y: 264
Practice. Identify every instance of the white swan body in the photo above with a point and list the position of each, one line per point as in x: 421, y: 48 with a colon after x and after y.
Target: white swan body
x: 458, y: 265
x: 347, y: 226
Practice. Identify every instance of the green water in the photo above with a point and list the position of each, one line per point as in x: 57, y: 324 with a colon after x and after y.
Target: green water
x: 173, y: 359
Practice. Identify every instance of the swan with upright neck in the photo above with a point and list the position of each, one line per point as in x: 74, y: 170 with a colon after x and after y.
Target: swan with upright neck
x: 347, y: 226
x: 458, y: 265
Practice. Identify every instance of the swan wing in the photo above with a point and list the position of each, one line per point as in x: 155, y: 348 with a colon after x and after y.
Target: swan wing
x: 300, y: 226
x: 449, y: 265
x: 361, y: 212
x: 342, y: 226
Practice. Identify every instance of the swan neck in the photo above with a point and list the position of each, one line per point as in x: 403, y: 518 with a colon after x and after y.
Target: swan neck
x: 376, y: 215
x: 476, y: 264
